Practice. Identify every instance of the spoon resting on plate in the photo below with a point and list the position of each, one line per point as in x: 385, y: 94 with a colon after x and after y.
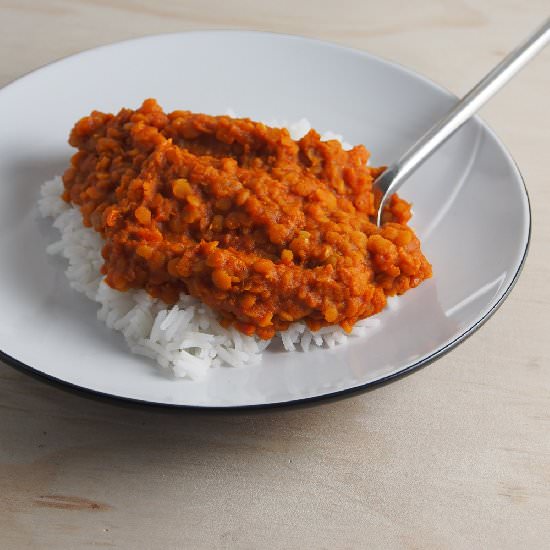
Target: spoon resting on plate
x: 395, y: 175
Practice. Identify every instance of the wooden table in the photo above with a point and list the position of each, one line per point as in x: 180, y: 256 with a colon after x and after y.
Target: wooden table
x: 456, y: 455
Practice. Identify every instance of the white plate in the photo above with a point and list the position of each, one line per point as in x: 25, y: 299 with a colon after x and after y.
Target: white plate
x: 471, y: 208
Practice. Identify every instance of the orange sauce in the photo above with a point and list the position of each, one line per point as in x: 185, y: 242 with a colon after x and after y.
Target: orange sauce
x: 264, y: 229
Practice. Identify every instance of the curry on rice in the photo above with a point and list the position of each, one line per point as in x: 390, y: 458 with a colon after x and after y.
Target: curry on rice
x: 263, y: 229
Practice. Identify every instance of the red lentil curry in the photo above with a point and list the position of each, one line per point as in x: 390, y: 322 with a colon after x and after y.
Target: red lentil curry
x: 264, y: 229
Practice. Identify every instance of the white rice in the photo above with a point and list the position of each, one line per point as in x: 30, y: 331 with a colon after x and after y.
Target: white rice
x: 187, y: 338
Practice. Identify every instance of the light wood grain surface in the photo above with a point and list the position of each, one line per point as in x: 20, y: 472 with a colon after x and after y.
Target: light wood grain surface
x: 456, y: 455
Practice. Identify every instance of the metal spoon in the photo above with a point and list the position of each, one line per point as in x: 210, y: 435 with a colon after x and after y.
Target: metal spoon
x: 395, y: 175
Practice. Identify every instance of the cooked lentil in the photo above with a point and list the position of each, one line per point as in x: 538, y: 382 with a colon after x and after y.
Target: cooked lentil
x: 264, y: 229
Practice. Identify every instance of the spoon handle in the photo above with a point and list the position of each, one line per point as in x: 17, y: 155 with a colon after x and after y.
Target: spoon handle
x: 394, y: 176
